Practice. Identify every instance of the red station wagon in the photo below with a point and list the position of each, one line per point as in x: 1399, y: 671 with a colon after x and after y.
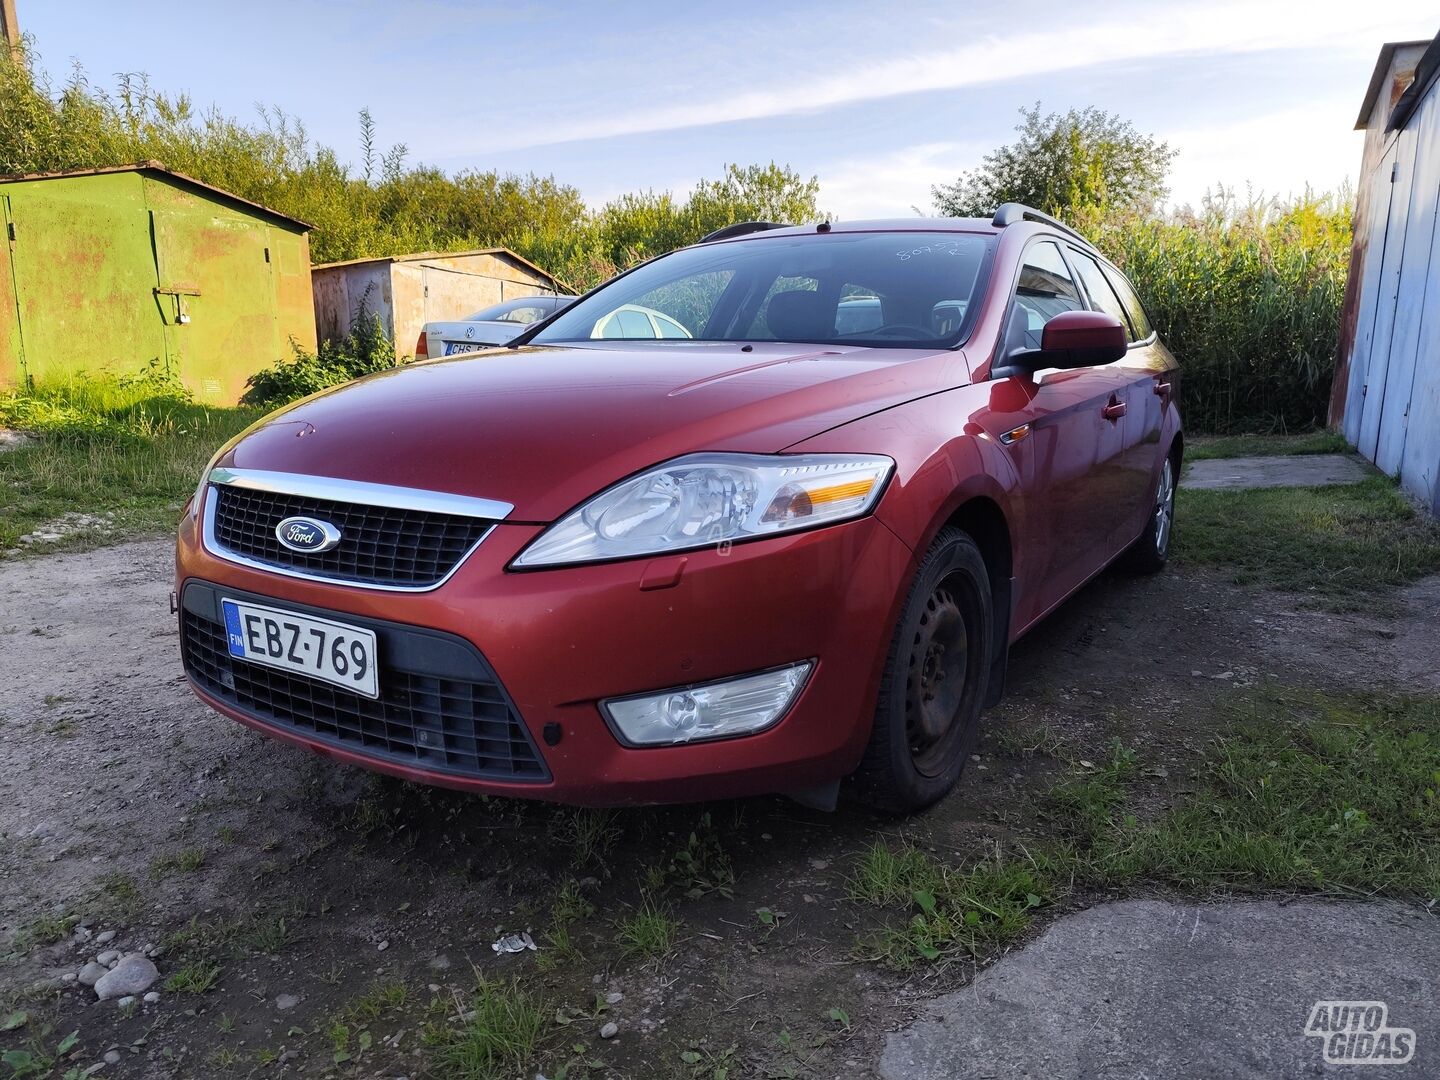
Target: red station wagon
x: 787, y: 550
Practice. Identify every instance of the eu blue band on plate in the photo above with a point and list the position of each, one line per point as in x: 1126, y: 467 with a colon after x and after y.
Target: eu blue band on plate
x: 233, y: 634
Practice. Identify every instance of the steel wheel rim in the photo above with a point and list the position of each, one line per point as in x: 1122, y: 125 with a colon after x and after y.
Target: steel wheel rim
x: 938, y: 678
x: 1164, y: 509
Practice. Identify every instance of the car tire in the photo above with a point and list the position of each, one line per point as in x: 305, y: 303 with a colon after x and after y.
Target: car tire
x: 927, y: 717
x: 1150, y: 553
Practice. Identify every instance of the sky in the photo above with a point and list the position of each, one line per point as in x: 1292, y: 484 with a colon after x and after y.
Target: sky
x: 879, y: 100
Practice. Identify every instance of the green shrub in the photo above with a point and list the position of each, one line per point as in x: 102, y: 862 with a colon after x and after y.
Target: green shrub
x: 364, y: 351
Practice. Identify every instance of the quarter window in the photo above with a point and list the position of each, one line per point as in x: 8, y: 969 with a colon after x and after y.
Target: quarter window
x: 1097, y: 285
x: 1128, y: 297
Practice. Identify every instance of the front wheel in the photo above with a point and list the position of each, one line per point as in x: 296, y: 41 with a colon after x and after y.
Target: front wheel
x: 1149, y: 554
x: 927, y: 718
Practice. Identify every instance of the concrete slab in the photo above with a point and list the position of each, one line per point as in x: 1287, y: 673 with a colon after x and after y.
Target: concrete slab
x: 1298, y: 470
x: 1161, y: 991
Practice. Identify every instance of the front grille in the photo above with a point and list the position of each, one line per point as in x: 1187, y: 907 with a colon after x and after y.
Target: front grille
x: 380, y: 545
x: 462, y: 726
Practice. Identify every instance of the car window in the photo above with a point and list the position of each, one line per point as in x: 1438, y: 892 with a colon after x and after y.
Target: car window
x: 668, y: 327
x: 1097, y: 286
x: 1128, y: 297
x: 634, y: 324
x: 897, y: 289
x: 526, y: 315
x: 1043, y: 290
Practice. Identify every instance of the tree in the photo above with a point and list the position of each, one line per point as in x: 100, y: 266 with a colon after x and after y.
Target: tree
x: 640, y: 225
x: 1083, y: 162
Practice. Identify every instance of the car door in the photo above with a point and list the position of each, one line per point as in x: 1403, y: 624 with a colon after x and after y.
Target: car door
x: 1147, y: 369
x: 1070, y: 449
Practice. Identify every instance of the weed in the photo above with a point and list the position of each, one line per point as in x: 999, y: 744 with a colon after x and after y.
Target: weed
x: 570, y: 905
x: 384, y: 995
x: 120, y: 894
x: 701, y: 865
x: 966, y: 911
x: 650, y: 932
x: 46, y: 930
x: 35, y: 1059
x: 589, y: 833
x: 186, y: 862
x: 224, y: 1057
x: 497, y: 1041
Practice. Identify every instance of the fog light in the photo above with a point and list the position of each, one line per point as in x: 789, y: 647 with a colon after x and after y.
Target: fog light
x: 717, y: 710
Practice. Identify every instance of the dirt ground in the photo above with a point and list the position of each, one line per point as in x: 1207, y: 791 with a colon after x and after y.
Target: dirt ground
x: 125, y: 803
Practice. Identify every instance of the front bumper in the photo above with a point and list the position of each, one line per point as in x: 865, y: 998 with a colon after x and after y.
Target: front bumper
x: 558, y: 641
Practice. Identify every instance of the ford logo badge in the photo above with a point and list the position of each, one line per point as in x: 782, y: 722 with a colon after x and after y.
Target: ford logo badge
x: 309, y: 536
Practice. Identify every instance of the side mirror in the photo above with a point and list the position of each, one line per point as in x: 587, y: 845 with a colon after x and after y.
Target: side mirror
x: 1075, y: 339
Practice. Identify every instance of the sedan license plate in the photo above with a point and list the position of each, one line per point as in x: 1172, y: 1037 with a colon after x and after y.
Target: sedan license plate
x: 330, y: 651
x: 453, y: 347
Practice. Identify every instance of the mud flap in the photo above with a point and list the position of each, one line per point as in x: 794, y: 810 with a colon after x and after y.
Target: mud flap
x: 821, y: 797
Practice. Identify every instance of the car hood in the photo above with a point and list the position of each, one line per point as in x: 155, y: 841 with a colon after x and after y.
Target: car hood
x: 545, y: 428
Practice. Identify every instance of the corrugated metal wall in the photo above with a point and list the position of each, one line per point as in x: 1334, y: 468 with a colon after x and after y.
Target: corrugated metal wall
x: 1392, y: 401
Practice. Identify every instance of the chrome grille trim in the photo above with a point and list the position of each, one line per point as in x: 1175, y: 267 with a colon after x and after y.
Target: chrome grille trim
x: 351, y: 491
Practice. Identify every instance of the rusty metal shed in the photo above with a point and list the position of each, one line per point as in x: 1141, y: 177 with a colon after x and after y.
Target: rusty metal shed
x: 407, y: 291
x: 106, y: 271
x: 1386, y: 396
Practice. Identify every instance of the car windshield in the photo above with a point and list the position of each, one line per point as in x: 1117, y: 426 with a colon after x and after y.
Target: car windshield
x: 896, y: 289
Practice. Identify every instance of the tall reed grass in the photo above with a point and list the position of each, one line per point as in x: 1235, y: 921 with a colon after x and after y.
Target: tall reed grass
x: 1248, y: 296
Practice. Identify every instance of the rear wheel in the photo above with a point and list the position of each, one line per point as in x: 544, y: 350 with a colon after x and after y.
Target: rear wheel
x: 927, y: 719
x: 1149, y: 554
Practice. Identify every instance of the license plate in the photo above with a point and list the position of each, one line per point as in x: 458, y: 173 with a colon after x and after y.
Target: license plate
x: 452, y: 347
x: 330, y: 651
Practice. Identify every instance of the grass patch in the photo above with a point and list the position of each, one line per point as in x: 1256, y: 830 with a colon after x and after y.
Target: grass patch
x: 1228, y: 446
x: 45, y: 930
x: 188, y: 862
x: 954, y: 911
x: 649, y: 933
x: 498, y: 1041
x: 118, y: 457
x: 1333, y: 545
x: 1305, y: 791
x: 194, y: 977
x: 1301, y: 792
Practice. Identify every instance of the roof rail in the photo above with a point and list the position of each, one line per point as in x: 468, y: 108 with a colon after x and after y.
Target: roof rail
x: 742, y: 228
x: 1011, y: 212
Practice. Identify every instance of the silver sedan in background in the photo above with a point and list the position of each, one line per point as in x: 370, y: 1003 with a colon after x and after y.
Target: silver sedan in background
x: 495, y: 325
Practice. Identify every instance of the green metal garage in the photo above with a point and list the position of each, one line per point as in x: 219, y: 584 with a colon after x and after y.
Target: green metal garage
x: 106, y: 271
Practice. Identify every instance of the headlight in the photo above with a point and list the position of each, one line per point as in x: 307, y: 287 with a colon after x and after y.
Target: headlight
x: 706, y: 499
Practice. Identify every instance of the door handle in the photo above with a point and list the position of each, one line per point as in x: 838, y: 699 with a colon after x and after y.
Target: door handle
x: 1114, y: 410
x: 1163, y: 390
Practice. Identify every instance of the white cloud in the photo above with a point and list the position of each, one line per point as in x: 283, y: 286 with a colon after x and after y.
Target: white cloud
x: 1231, y: 28
x: 1277, y: 154
x: 894, y: 183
